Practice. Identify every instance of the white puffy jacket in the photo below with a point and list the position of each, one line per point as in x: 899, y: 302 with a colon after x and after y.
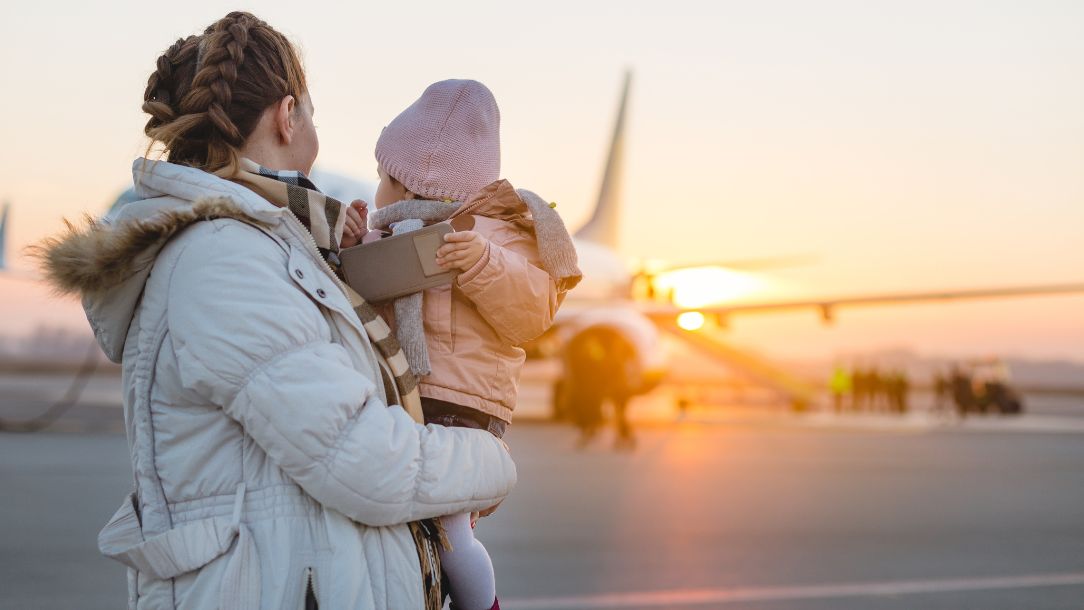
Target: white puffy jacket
x: 264, y: 455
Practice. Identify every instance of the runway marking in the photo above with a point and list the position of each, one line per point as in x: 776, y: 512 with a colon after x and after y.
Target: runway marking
x: 1050, y: 424
x: 695, y: 597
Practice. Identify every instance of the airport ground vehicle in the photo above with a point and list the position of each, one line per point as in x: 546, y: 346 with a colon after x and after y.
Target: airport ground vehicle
x: 982, y: 387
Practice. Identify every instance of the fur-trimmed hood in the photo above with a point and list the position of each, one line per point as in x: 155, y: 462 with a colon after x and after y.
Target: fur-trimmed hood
x: 107, y: 261
x: 101, y: 255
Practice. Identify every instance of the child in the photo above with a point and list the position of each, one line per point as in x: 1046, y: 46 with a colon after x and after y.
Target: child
x: 440, y: 160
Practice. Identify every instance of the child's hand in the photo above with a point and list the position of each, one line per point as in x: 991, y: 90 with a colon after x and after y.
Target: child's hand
x: 461, y: 251
x: 357, y: 221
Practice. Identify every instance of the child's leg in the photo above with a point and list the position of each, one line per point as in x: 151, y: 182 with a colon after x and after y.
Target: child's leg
x: 469, y: 569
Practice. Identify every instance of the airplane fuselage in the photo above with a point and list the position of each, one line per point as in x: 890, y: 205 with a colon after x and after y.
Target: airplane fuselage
x: 605, y: 276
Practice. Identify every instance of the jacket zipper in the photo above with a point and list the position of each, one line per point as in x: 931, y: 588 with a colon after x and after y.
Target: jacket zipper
x: 315, y: 249
x: 310, y: 588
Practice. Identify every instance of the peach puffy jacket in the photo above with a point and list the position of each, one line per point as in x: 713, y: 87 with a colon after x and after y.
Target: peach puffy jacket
x: 474, y: 325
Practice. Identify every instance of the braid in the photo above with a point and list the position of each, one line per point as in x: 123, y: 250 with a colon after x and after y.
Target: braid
x: 212, y: 88
x: 208, y: 91
x: 157, y: 99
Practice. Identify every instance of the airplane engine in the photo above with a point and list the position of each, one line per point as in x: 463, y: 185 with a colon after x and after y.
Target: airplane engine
x: 615, y: 349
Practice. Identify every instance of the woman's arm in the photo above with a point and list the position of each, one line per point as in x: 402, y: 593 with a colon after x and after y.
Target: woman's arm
x: 250, y: 340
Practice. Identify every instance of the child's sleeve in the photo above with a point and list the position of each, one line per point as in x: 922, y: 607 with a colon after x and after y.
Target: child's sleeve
x: 511, y: 290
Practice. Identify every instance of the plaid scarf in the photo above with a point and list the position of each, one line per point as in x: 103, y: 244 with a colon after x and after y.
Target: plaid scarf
x: 325, y: 218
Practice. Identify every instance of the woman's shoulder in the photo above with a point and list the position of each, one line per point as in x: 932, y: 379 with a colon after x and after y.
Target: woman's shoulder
x: 223, y: 240
x: 230, y: 234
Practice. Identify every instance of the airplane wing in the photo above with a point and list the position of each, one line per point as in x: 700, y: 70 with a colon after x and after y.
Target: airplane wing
x: 741, y: 264
x: 827, y: 306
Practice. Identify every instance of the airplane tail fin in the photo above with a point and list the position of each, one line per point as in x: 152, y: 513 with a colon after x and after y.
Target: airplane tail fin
x: 3, y: 235
x: 602, y: 228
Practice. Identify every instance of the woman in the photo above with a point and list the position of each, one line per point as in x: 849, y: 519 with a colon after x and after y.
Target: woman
x: 269, y: 471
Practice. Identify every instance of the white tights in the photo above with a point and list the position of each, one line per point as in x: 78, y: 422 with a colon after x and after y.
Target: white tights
x: 467, y: 565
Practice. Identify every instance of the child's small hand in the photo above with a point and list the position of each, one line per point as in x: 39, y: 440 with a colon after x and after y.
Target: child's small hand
x: 462, y: 250
x: 357, y: 220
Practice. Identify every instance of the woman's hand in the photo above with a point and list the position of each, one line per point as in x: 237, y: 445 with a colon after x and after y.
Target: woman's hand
x: 357, y: 223
x: 492, y: 509
x: 485, y: 513
x: 461, y: 250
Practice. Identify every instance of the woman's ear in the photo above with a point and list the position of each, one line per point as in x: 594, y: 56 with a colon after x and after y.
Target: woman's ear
x: 284, y: 119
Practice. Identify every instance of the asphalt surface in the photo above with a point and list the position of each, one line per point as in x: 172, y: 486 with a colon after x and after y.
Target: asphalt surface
x: 740, y: 509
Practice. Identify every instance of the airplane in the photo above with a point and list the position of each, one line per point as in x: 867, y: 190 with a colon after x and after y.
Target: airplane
x: 5, y: 271
x: 606, y: 298
x: 3, y: 232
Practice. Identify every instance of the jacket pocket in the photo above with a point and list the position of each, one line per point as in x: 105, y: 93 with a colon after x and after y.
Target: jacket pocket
x: 169, y: 554
x: 454, y: 296
x: 437, y: 313
x: 188, y: 547
x: 504, y: 384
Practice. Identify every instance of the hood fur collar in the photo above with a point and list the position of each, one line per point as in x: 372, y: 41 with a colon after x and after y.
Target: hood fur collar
x: 98, y: 256
x: 108, y: 261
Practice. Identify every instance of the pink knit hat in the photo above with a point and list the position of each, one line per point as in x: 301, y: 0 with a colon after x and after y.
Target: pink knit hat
x: 447, y: 144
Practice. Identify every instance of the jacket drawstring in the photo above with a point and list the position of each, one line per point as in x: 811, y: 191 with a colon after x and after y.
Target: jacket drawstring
x: 241, y: 581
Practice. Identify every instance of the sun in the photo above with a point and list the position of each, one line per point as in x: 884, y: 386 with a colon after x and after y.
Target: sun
x: 703, y: 286
x: 691, y: 320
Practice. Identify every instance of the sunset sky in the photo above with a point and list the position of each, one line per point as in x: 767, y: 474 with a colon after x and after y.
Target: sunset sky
x: 907, y: 145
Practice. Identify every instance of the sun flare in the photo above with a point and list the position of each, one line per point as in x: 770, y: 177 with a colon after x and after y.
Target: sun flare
x: 691, y: 320
x: 703, y: 286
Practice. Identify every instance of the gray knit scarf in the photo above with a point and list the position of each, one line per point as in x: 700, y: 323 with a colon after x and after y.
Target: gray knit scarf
x: 555, y: 248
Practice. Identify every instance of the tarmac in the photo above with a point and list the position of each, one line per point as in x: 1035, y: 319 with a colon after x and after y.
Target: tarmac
x: 721, y: 507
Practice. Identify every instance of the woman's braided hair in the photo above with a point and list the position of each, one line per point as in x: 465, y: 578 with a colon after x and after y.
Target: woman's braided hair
x: 208, y: 91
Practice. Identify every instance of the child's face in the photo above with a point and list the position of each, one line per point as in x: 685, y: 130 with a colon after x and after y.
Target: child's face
x: 389, y: 190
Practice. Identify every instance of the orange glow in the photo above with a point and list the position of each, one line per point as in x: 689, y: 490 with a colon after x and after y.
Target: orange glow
x: 701, y: 286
